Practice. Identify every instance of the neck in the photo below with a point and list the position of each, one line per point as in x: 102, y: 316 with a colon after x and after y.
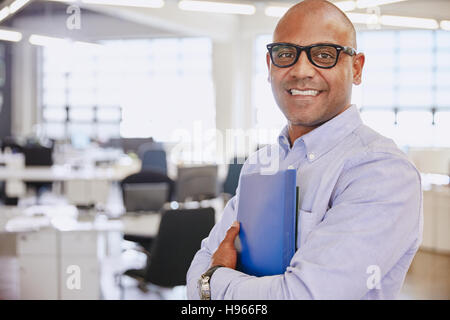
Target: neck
x: 296, y: 131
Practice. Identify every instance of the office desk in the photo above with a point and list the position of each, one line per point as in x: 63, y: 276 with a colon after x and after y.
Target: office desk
x: 59, y: 257
x: 64, y: 173
x: 84, y: 186
x: 141, y: 224
x: 53, y: 245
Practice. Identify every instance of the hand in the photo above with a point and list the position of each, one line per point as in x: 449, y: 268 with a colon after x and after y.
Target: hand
x: 226, y: 254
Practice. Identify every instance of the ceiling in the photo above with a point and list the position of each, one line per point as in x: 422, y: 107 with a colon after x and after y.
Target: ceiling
x: 172, y: 20
x: 437, y: 9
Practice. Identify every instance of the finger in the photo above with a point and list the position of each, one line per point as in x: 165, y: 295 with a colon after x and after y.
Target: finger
x: 232, y: 232
x: 238, y: 244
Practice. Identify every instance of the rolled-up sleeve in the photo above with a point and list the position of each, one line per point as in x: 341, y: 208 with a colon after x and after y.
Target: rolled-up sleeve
x: 373, y: 221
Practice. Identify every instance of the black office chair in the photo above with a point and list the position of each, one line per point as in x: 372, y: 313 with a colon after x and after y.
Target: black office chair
x: 144, y: 177
x: 179, y: 238
x: 133, y: 144
x: 39, y: 155
x: 12, y: 143
x: 150, y: 176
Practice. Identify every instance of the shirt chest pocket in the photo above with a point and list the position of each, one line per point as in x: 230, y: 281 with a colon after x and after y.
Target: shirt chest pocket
x: 305, y: 224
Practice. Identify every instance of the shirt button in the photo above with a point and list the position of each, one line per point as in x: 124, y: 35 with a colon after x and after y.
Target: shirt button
x: 311, y: 156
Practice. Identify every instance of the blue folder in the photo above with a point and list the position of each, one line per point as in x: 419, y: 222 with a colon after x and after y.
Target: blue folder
x: 267, y: 212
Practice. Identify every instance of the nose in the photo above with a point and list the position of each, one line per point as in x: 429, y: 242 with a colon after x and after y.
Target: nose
x: 302, y: 68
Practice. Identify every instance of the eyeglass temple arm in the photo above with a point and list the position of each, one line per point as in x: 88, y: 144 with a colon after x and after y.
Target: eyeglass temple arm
x: 350, y: 51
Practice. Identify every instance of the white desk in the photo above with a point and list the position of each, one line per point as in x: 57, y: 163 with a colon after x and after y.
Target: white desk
x: 66, y: 173
x: 51, y: 244
x: 142, y: 224
x: 85, y: 186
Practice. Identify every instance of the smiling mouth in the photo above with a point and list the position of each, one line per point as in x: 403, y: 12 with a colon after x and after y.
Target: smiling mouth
x: 309, y: 92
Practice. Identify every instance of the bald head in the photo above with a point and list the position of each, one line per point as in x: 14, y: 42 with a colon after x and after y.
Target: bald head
x: 317, y: 12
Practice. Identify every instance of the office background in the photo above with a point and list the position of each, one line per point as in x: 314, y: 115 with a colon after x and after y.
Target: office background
x: 112, y: 112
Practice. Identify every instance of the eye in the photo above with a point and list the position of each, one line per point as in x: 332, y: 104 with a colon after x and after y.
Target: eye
x: 285, y: 55
x: 324, y: 55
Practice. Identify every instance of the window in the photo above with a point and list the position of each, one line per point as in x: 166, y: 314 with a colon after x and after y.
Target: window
x: 131, y: 88
x: 405, y: 92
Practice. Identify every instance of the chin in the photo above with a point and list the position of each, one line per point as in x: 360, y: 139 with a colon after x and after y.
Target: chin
x: 306, y: 124
x: 306, y: 119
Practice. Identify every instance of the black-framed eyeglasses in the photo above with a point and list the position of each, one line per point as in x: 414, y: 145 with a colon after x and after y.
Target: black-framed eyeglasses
x: 322, y: 55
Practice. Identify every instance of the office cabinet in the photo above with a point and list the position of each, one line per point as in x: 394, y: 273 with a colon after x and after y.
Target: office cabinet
x: 38, y: 264
x: 79, y: 265
x: 443, y: 222
x: 37, y: 277
x: 79, y: 278
x: 79, y: 243
x: 429, y: 220
x: 42, y: 242
x: 58, y: 264
x: 87, y: 192
x: 436, y: 216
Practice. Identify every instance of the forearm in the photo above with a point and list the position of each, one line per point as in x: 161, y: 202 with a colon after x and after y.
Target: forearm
x: 202, y: 259
x: 229, y: 284
x: 199, y: 265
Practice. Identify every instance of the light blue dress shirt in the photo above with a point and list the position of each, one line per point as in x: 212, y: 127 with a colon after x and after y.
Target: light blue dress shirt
x: 360, y: 218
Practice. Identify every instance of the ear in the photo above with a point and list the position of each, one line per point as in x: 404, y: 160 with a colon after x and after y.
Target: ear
x: 269, y: 64
x: 358, y: 64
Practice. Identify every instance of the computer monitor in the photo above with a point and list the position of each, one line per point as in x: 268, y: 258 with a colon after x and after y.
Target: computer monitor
x: 197, y: 183
x: 145, y: 196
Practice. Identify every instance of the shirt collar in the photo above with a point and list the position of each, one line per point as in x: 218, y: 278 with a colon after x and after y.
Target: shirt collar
x: 322, y: 139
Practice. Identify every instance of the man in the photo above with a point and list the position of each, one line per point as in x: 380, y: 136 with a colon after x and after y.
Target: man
x: 360, y: 199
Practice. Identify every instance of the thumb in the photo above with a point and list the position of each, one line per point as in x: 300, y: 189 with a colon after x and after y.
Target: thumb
x: 232, y: 232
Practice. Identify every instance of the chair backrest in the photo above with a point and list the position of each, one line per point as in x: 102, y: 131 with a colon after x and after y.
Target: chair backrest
x: 152, y: 145
x: 131, y: 144
x: 179, y: 238
x: 139, y: 183
x: 232, y: 180
x: 36, y: 155
x: 197, y: 183
x: 11, y: 143
x: 154, y: 160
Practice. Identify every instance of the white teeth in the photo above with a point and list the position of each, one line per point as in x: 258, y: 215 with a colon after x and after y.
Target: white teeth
x: 296, y: 92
